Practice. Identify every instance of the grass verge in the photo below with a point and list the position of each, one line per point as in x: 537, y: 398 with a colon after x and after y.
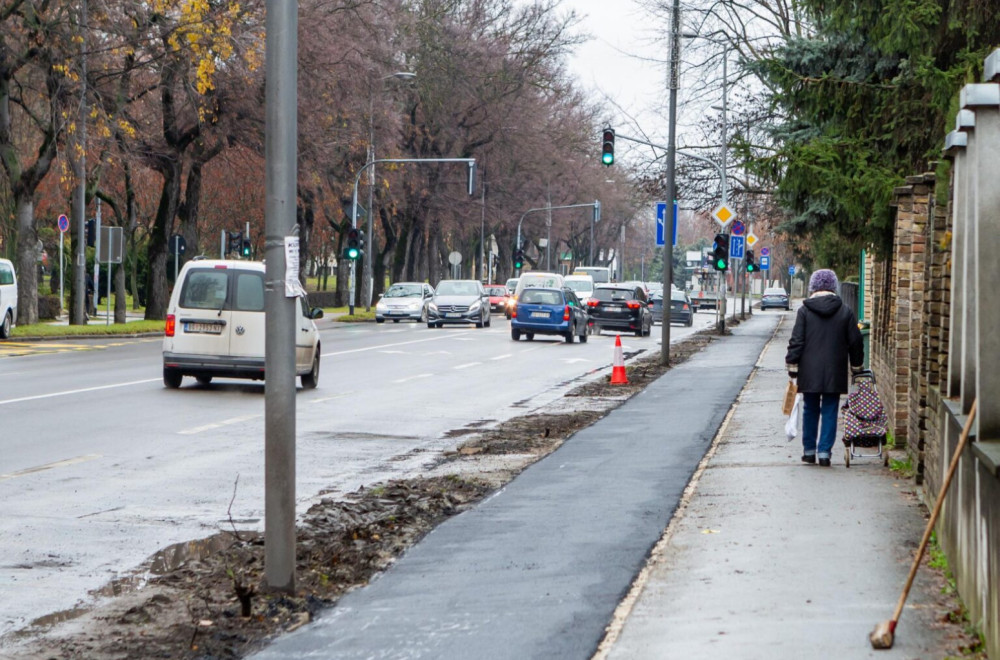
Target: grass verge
x: 47, y: 330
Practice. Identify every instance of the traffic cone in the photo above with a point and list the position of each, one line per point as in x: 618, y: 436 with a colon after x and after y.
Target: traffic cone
x: 618, y: 376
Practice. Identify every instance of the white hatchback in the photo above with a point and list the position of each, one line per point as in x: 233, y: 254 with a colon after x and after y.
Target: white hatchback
x: 215, y: 326
x: 8, y: 298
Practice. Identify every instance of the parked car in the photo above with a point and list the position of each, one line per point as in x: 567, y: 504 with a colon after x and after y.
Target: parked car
x: 8, y: 298
x: 404, y: 300
x: 582, y: 285
x: 617, y: 307
x: 498, y: 297
x: 459, y: 301
x: 215, y: 326
x: 774, y: 297
x: 680, y: 308
x: 549, y: 311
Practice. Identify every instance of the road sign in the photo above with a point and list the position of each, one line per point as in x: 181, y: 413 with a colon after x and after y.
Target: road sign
x: 765, y: 252
x: 177, y: 245
x: 738, y: 228
x: 752, y: 239
x: 791, y: 270
x: 454, y: 258
x: 724, y: 215
x: 661, y: 214
x: 765, y: 262
x: 111, y: 247
x: 736, y: 246
x: 63, y: 223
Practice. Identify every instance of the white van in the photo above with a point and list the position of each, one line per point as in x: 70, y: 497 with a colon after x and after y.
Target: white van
x: 215, y: 325
x: 538, y: 279
x: 582, y: 285
x: 8, y: 298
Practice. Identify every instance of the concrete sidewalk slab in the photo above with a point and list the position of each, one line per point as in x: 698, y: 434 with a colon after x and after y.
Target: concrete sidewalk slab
x: 773, y: 558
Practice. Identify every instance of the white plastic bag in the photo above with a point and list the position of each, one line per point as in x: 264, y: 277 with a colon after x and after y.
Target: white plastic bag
x: 792, y: 425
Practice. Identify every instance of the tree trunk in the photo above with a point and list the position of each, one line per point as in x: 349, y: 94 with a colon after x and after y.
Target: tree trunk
x: 120, y: 316
x: 156, y: 277
x: 27, y: 269
x: 187, y: 212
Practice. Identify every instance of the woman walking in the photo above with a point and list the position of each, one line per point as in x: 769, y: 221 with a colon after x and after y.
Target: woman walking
x: 825, y: 338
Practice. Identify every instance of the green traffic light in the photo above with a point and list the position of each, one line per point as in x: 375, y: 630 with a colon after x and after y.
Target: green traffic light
x: 353, y: 253
x: 608, y: 159
x: 721, y: 264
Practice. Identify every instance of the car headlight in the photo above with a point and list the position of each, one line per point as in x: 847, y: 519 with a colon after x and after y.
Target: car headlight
x: 474, y: 307
x: 380, y: 307
x: 431, y: 306
x: 416, y: 305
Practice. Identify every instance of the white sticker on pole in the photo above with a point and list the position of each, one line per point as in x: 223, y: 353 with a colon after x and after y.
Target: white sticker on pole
x: 293, y: 288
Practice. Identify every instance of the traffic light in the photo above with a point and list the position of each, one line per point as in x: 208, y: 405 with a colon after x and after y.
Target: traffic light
x: 235, y: 244
x: 608, y: 147
x: 518, y: 258
x: 246, y: 248
x: 720, y: 252
x: 353, y: 249
x: 91, y: 231
x: 751, y: 263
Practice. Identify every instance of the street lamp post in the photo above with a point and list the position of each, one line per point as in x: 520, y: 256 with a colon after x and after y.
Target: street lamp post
x: 366, y: 286
x: 668, y: 247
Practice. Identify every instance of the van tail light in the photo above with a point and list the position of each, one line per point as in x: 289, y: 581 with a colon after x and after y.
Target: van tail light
x: 171, y: 325
x: 684, y: 307
x: 633, y: 304
x: 513, y: 311
x: 592, y: 303
x: 566, y: 313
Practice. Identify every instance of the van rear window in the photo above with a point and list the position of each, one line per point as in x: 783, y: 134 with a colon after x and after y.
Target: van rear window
x: 205, y: 289
x: 249, y: 292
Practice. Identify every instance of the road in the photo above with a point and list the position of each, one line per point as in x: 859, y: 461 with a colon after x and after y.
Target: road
x: 101, y: 466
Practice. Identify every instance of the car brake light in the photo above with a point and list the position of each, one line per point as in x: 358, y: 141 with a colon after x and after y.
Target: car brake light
x: 171, y: 325
x: 221, y: 266
x: 566, y: 313
x: 591, y: 303
x: 513, y: 311
x: 633, y: 304
x: 684, y: 306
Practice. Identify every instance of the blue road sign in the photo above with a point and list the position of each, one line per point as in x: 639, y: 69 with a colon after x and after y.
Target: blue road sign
x: 791, y: 270
x: 765, y: 252
x: 737, y: 228
x: 661, y: 213
x: 765, y: 262
x: 736, y: 245
x: 63, y: 223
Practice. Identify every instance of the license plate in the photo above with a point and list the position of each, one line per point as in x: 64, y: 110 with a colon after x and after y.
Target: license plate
x: 539, y: 315
x: 205, y: 328
x: 453, y: 315
x: 613, y: 308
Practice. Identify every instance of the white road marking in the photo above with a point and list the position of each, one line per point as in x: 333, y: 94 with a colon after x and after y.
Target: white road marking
x: 331, y: 398
x: 502, y: 357
x: 383, y: 346
x: 466, y: 366
x: 574, y: 360
x: 393, y: 352
x: 49, y: 466
x: 79, y: 391
x: 215, y: 425
x: 409, y: 378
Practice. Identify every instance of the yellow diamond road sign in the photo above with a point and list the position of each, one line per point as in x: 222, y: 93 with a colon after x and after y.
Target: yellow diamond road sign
x: 752, y: 239
x: 724, y: 215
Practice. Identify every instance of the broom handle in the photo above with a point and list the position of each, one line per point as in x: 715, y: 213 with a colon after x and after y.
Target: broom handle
x: 937, y: 509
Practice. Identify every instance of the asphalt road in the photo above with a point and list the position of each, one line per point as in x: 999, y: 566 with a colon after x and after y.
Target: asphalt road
x: 101, y: 466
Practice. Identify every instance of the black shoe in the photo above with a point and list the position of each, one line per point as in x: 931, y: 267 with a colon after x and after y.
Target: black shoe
x: 825, y: 462
x: 809, y: 458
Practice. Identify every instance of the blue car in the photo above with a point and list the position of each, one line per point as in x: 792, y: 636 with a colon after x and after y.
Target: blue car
x: 548, y: 311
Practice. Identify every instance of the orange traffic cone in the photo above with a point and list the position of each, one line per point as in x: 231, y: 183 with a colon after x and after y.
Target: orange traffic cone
x: 618, y: 376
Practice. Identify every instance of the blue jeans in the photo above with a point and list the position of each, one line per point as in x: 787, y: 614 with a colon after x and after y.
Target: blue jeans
x: 816, y: 407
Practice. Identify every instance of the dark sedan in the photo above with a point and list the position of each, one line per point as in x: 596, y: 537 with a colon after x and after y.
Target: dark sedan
x: 681, y: 310
x: 774, y: 297
x: 618, y: 307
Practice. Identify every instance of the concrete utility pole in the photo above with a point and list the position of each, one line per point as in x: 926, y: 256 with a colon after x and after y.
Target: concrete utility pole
x: 80, y: 194
x: 668, y: 227
x: 280, y: 154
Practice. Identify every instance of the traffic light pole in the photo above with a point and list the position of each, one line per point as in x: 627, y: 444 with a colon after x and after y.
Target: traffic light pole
x: 354, y: 212
x: 596, y: 205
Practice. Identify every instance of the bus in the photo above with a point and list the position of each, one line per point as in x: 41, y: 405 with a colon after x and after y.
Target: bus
x: 601, y: 274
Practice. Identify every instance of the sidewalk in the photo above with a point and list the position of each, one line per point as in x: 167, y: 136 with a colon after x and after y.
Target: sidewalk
x: 773, y: 558
x: 763, y: 557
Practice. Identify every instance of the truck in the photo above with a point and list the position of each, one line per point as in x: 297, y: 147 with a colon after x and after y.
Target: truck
x: 600, y: 274
x: 703, y: 281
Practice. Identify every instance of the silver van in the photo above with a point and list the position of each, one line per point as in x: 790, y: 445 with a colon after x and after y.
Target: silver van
x: 8, y: 298
x: 215, y: 326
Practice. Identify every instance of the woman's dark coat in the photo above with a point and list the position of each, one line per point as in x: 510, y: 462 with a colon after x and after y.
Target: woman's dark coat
x: 825, y: 336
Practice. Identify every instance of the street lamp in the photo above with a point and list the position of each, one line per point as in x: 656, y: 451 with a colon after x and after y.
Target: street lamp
x: 366, y: 288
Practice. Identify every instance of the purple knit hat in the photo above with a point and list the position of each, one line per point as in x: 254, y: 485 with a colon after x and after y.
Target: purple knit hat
x: 823, y: 280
